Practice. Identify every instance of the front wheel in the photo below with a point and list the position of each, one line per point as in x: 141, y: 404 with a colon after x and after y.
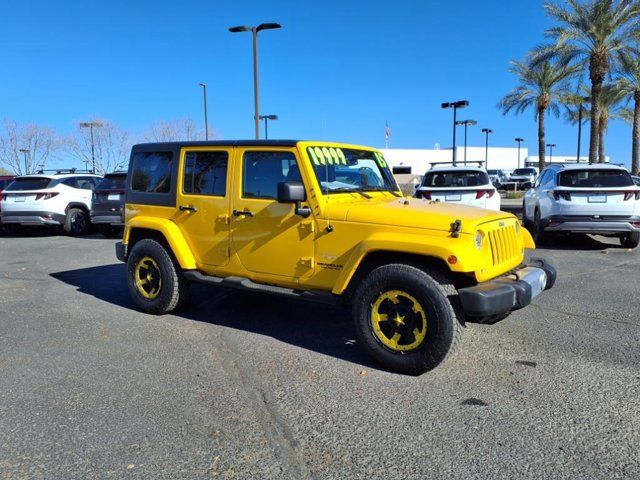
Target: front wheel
x: 630, y: 240
x: 406, y: 318
x: 155, y: 279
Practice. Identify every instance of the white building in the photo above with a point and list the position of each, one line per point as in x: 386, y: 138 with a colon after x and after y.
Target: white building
x: 420, y: 160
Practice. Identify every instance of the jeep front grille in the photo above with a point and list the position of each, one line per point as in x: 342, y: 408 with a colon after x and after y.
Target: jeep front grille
x: 504, y: 245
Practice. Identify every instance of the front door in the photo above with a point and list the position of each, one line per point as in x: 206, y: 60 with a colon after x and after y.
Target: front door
x: 268, y: 236
x: 203, y: 203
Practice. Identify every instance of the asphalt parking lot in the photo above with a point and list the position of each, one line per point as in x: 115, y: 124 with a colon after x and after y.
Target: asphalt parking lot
x: 248, y: 386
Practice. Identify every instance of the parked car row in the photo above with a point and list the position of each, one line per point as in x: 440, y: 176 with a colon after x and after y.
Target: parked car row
x: 64, y: 198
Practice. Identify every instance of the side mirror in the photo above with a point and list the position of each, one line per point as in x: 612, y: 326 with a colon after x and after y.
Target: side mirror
x: 294, y: 192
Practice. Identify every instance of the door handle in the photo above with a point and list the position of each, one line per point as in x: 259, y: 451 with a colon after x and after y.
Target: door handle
x: 188, y: 208
x: 240, y: 213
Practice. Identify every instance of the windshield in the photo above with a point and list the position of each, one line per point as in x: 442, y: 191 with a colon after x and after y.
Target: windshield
x: 595, y: 178
x: 455, y: 179
x: 524, y: 171
x: 340, y: 170
x: 493, y: 172
x: 28, y: 183
x: 112, y: 182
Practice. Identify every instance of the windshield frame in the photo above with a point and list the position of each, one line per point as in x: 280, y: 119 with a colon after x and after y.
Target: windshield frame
x: 383, y: 172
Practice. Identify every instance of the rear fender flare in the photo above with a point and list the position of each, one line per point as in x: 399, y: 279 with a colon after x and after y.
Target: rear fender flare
x: 171, y: 233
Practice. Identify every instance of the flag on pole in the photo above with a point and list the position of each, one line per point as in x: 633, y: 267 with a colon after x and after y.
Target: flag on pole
x: 387, y: 131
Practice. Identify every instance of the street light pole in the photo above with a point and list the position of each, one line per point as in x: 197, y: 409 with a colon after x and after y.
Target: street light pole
x: 455, y: 106
x: 266, y: 119
x: 25, y: 151
x: 486, y: 131
x: 206, y: 121
x: 551, y: 145
x: 519, y: 140
x: 466, y: 123
x: 254, y: 31
x: 90, y: 125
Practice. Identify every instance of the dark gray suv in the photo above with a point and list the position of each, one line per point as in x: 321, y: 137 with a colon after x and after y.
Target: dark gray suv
x: 107, y: 212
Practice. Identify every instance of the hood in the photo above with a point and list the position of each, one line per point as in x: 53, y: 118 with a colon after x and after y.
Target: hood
x: 413, y: 212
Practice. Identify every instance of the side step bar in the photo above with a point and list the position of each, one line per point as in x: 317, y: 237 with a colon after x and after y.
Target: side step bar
x: 241, y: 283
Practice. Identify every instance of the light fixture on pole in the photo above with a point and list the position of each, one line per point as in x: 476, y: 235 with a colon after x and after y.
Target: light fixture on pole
x: 206, y: 120
x: 266, y: 119
x: 26, y: 152
x: 91, y: 125
x: 455, y: 106
x: 551, y: 146
x: 486, y: 131
x: 466, y: 123
x: 254, y: 31
x: 519, y: 140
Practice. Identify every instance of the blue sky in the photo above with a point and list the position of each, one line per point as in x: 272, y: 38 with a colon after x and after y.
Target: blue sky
x: 336, y: 71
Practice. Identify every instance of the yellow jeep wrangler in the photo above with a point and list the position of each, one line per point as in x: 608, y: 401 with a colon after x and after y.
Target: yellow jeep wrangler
x: 327, y: 222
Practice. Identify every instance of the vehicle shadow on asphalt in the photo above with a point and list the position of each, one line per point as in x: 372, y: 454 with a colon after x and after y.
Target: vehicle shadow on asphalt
x: 35, y: 232
x: 577, y: 242
x: 324, y: 329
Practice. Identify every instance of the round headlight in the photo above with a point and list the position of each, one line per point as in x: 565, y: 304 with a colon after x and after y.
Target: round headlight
x: 479, y: 238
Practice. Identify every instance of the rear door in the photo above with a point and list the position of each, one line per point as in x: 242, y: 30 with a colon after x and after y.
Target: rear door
x: 203, y: 202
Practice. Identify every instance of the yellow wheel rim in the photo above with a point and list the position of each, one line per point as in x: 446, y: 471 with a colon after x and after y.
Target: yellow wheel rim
x: 398, y: 321
x: 148, y: 278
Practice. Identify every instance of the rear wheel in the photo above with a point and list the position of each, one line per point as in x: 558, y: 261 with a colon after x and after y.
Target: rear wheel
x: 76, y: 222
x: 407, y: 318
x: 539, y: 235
x: 630, y: 240
x: 155, y: 279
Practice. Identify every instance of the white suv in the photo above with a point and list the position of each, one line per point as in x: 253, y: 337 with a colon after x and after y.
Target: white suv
x: 60, y: 199
x: 599, y: 199
x: 463, y: 185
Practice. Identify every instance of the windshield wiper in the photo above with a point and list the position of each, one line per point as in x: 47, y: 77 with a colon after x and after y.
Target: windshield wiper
x: 348, y: 190
x: 381, y: 189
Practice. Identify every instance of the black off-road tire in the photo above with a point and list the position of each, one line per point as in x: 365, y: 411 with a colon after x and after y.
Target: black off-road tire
x: 439, y: 299
x: 175, y: 287
x: 77, y: 222
x: 630, y: 240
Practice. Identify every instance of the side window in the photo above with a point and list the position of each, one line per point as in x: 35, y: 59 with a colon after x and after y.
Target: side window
x: 541, y: 179
x: 85, y: 183
x: 205, y: 173
x: 262, y: 171
x: 151, y: 172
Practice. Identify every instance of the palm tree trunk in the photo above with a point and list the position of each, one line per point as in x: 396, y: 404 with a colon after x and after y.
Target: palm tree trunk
x: 597, y: 77
x: 635, y: 148
x: 541, y: 133
x: 602, y: 127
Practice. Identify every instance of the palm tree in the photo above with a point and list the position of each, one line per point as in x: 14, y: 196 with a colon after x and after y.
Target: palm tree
x: 610, y: 108
x: 629, y: 84
x: 590, y: 34
x: 543, y: 87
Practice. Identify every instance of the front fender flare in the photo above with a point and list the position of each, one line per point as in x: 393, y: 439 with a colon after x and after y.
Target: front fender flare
x: 435, y: 247
x: 172, y: 234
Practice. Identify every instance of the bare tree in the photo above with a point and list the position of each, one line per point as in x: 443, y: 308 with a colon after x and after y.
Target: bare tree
x: 26, y: 147
x: 111, y: 145
x: 174, y: 130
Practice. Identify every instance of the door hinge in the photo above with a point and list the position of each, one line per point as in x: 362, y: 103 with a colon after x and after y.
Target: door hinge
x: 224, y: 218
x: 308, y: 262
x: 309, y: 227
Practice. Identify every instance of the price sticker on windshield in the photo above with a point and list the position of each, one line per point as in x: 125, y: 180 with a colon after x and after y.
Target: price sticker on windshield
x: 327, y: 156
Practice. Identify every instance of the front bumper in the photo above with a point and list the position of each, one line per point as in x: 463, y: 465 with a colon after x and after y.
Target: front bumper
x: 502, y: 295
x: 592, y: 224
x: 32, y: 218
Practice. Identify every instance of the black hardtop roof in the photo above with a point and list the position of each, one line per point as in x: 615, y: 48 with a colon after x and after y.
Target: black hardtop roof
x: 216, y: 143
